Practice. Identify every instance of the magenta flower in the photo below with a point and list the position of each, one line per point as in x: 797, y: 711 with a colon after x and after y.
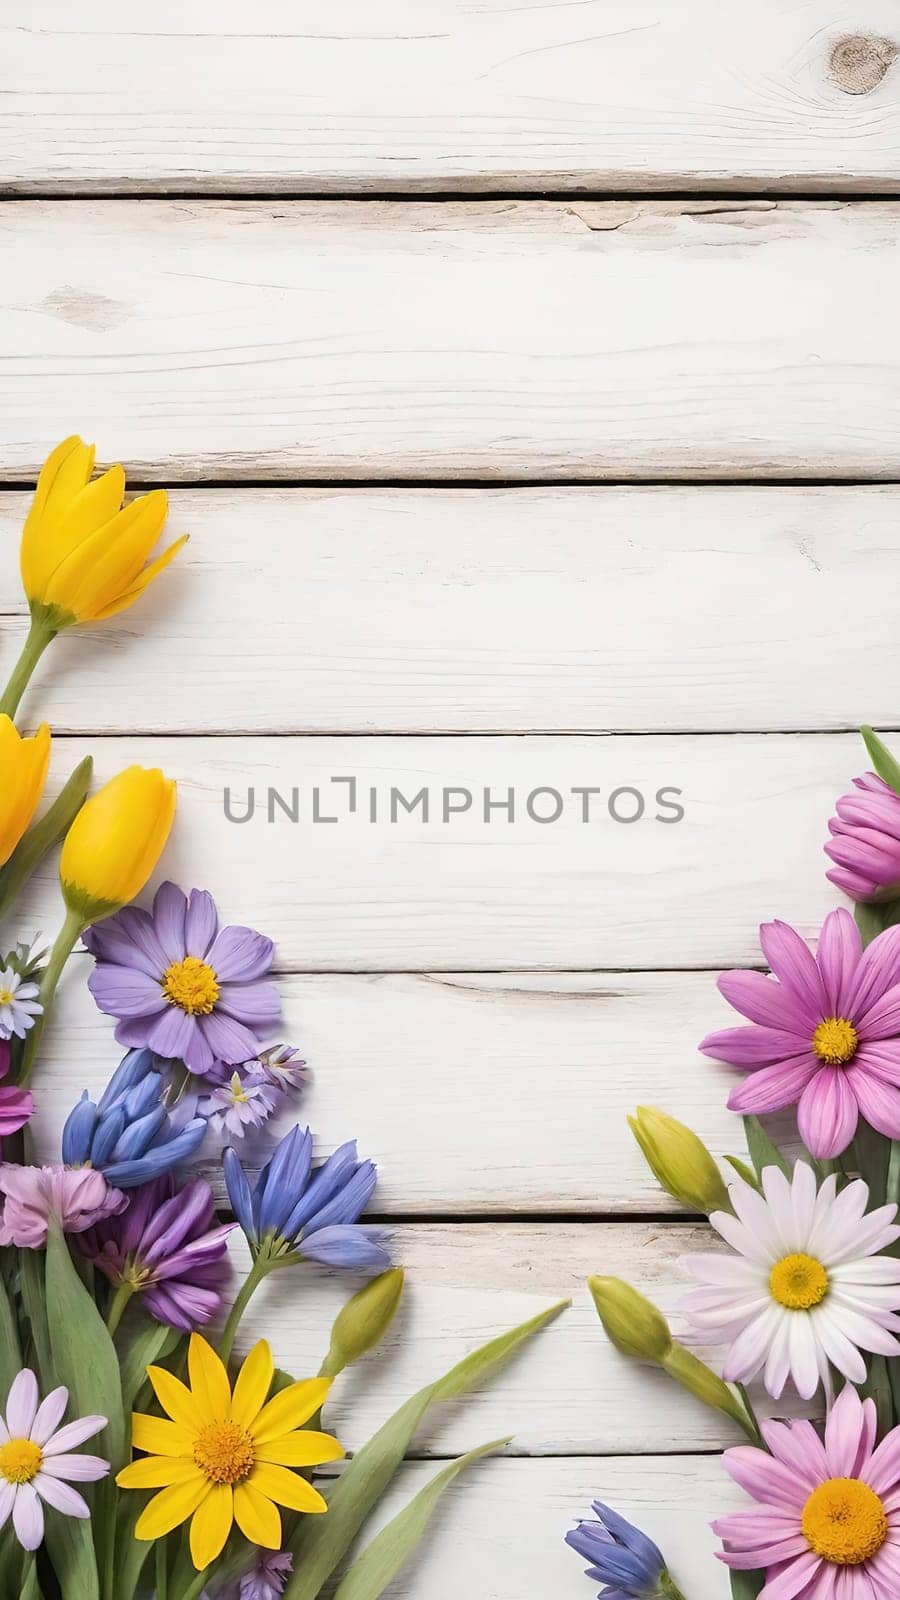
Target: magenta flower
x: 33, y: 1195
x: 827, y: 1522
x: 824, y: 1034
x: 36, y: 1460
x: 865, y: 840
x: 166, y: 1249
x: 16, y: 1105
x: 181, y: 985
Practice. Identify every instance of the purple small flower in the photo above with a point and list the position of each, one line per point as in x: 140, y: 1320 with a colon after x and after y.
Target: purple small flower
x: 182, y: 986
x: 283, y: 1068
x: 130, y: 1135
x: 311, y: 1214
x: 246, y: 1100
x: 268, y: 1576
x: 165, y: 1248
x: 630, y: 1565
x: 865, y: 840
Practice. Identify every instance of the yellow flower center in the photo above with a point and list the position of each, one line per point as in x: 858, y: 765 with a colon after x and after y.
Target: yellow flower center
x: 798, y: 1282
x: 20, y: 1460
x: 6, y: 997
x: 845, y: 1522
x: 239, y: 1095
x: 224, y: 1452
x: 192, y: 985
x: 835, y: 1041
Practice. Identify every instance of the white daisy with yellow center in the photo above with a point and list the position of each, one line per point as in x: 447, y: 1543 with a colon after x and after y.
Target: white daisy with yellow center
x: 19, y: 1004
x: 805, y: 1287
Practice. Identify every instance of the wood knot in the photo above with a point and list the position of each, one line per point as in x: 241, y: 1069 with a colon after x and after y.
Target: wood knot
x: 858, y: 63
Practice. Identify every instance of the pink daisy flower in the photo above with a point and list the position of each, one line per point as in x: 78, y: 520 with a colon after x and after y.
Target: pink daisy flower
x: 77, y: 1200
x: 865, y: 840
x: 824, y: 1032
x: 36, y: 1463
x: 827, y: 1522
x: 16, y: 1105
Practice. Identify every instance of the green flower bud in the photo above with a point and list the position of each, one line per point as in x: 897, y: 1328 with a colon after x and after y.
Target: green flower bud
x: 679, y: 1161
x: 632, y: 1323
x: 700, y: 1381
x: 364, y: 1321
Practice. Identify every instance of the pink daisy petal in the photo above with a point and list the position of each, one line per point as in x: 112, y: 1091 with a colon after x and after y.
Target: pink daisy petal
x: 764, y: 1478
x: 792, y: 961
x: 878, y: 971
x: 879, y: 1102
x: 849, y: 1435
x: 773, y: 1088
x: 838, y: 954
x: 759, y: 998
x: 753, y: 1046
x: 828, y: 1113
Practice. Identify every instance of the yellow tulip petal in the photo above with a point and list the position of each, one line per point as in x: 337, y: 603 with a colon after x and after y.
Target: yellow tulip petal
x: 64, y: 473
x: 160, y: 1437
x: 176, y: 1399
x: 212, y: 1525
x: 253, y: 1384
x: 118, y: 837
x: 158, y: 1472
x: 290, y: 1409
x: 258, y: 1519
x: 171, y: 1507
x: 209, y: 1381
x: 302, y: 1449
x: 23, y: 764
x: 109, y: 560
x: 285, y: 1488
x: 96, y: 504
x: 149, y: 574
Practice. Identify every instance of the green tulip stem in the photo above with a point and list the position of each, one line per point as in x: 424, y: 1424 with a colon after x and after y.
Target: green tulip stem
x: 263, y: 1264
x: 66, y: 940
x: 118, y: 1305
x: 40, y: 634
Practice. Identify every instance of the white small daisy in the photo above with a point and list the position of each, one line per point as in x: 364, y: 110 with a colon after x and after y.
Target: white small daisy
x: 19, y: 1004
x: 807, y: 1286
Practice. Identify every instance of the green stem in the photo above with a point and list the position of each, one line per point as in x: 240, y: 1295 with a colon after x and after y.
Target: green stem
x: 198, y: 1585
x: 668, y: 1588
x: 66, y: 940
x: 162, y: 1570
x: 117, y: 1306
x: 260, y: 1269
x: 40, y: 634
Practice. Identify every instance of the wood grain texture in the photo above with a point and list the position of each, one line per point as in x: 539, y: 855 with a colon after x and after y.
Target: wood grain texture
x: 476, y: 1093
x: 510, y: 610
x: 502, y: 340
x: 470, y: 894
x: 568, y: 1393
x: 447, y: 95
x: 500, y: 1533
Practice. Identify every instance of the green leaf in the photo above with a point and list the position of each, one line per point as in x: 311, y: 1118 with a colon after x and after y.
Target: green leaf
x: 31, y: 1283
x: 150, y: 1345
x: 71, y: 1546
x: 53, y: 827
x: 320, y: 1543
x: 763, y: 1153
x: 745, y: 1172
x: 878, y: 1387
x: 746, y: 1585
x: 880, y: 756
x: 381, y: 1560
x: 10, y: 1353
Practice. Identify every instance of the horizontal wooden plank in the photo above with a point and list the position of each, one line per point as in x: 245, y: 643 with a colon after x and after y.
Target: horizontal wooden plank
x: 470, y: 893
x: 493, y: 340
x: 505, y: 610
x: 569, y: 1393
x: 443, y: 95
x: 475, y: 1093
x: 499, y: 1534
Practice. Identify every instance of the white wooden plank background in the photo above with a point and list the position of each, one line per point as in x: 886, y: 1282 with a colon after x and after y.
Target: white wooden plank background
x: 446, y: 94
x: 557, y: 609
x: 467, y: 895
x: 500, y: 340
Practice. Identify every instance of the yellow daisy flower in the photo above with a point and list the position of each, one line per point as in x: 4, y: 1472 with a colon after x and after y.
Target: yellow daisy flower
x: 223, y: 1457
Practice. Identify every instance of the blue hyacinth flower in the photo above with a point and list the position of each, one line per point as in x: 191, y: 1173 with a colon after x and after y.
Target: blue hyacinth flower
x: 294, y: 1211
x: 130, y: 1135
x: 630, y: 1565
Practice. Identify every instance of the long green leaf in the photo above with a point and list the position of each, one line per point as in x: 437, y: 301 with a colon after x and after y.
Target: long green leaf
x: 53, y: 827
x: 886, y: 765
x: 31, y: 1281
x: 381, y: 1560
x: 746, y: 1585
x: 71, y: 1546
x: 320, y: 1543
x: 150, y: 1345
x: 763, y: 1153
x: 10, y: 1354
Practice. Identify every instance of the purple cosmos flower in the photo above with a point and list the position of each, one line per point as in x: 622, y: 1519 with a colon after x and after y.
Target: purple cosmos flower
x: 621, y: 1557
x: 312, y: 1214
x: 824, y: 1034
x: 268, y: 1576
x: 16, y: 1105
x: 36, y: 1463
x: 865, y: 840
x: 181, y: 985
x: 246, y: 1100
x: 130, y: 1136
x: 34, y: 1195
x: 165, y: 1247
x: 283, y: 1068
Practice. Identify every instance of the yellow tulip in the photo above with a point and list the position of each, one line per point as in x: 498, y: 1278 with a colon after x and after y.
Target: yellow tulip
x: 23, y: 773
x: 83, y: 555
x: 115, y: 842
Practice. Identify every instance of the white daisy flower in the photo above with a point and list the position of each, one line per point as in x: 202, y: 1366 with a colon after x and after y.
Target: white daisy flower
x: 806, y: 1287
x: 19, y: 1004
x: 36, y: 1460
